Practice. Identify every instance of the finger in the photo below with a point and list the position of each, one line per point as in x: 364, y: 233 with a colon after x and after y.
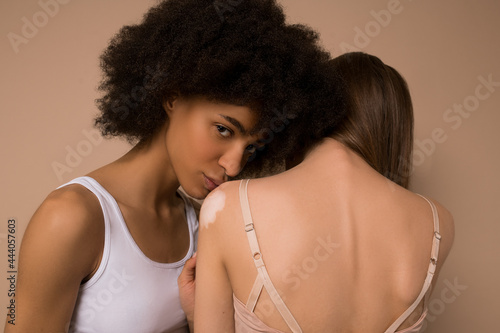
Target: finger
x: 188, y: 272
x: 190, y: 265
x: 192, y: 261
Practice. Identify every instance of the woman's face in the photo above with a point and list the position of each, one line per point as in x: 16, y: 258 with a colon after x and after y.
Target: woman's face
x: 208, y: 142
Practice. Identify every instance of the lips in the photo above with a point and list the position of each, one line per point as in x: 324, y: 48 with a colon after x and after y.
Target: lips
x: 212, y: 184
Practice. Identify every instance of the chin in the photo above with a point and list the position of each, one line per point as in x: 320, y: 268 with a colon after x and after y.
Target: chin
x: 198, y: 194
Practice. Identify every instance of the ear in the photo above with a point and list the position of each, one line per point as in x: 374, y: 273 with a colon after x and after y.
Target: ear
x: 169, y: 103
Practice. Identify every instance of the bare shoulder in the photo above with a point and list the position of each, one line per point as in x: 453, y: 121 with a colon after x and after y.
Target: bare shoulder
x: 69, y: 208
x: 219, y: 204
x: 68, y: 220
x: 61, y: 247
x: 217, y: 232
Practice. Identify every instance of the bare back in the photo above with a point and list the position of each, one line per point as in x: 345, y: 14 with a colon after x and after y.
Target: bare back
x: 347, y: 249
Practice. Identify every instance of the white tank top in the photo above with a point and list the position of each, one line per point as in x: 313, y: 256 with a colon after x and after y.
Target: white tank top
x: 130, y: 293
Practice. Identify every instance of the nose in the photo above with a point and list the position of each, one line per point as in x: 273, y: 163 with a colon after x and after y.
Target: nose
x: 232, y: 161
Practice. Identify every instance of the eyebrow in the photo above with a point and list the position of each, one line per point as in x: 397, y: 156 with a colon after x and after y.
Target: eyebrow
x: 236, y: 124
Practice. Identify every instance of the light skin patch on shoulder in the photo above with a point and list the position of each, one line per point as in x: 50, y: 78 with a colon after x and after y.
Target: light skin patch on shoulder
x: 213, y: 204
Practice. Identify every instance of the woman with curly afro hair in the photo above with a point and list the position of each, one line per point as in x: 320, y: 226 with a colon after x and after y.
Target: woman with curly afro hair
x: 198, y: 87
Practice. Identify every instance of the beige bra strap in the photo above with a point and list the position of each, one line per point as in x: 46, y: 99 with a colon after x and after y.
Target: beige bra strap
x: 430, y: 272
x: 255, y: 293
x: 262, y: 275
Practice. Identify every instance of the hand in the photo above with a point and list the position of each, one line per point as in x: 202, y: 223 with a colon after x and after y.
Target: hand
x: 187, y: 283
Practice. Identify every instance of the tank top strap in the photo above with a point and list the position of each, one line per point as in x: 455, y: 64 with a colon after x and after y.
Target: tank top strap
x: 430, y: 271
x: 263, y: 279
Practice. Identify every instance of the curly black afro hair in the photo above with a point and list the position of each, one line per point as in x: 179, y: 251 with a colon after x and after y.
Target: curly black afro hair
x: 236, y: 52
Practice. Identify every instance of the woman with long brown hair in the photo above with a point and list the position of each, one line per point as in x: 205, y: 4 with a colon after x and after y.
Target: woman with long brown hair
x: 336, y: 243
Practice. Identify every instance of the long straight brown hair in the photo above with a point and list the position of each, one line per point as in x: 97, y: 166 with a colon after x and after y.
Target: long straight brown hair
x: 379, y: 120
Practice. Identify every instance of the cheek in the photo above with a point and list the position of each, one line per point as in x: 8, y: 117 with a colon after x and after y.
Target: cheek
x: 208, y: 150
x: 192, y: 141
x: 206, y: 144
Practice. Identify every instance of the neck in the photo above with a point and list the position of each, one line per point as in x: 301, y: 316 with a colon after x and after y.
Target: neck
x: 143, y: 177
x: 326, y: 148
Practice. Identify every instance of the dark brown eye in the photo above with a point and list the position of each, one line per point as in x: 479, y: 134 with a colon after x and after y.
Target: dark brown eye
x: 223, y: 131
x: 251, y: 149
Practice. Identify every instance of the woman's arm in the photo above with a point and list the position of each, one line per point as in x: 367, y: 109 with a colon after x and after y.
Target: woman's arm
x: 214, y: 296
x: 62, y: 246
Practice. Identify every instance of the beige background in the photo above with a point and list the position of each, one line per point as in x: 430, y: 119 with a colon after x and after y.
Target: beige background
x: 442, y: 48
